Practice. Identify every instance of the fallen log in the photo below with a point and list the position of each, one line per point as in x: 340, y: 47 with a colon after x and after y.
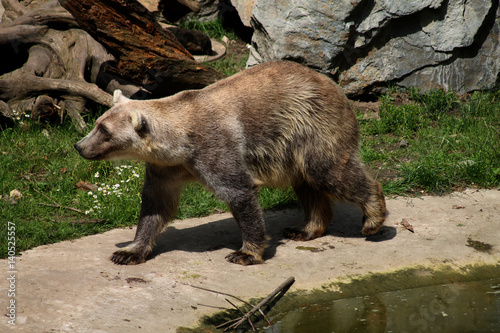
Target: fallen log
x: 146, y: 54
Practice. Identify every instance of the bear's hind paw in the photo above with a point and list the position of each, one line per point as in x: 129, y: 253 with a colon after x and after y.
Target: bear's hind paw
x: 371, y: 228
x: 242, y: 258
x: 296, y: 234
x: 124, y: 257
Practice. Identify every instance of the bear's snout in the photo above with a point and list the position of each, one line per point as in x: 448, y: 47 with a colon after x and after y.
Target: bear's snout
x: 78, y: 148
x: 87, y: 153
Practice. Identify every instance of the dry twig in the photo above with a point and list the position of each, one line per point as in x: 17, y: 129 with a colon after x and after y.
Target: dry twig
x: 59, y: 206
x: 56, y: 204
x: 234, y: 323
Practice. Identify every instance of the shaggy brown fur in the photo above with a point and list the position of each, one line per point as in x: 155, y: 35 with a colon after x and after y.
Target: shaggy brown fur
x: 276, y: 124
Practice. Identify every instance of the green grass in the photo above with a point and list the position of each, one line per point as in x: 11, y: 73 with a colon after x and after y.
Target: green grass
x: 452, y: 143
x: 213, y: 29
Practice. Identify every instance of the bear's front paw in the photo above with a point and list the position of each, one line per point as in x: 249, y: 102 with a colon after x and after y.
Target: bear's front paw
x: 242, y: 258
x: 124, y: 257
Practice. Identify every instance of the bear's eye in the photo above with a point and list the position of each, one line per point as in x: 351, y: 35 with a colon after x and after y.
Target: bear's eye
x: 103, y: 130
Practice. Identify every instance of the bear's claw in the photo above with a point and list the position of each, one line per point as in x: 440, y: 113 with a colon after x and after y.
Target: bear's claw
x: 242, y: 258
x: 371, y: 227
x: 296, y: 234
x: 124, y: 257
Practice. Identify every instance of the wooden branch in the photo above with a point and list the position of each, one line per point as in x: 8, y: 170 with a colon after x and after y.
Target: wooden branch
x: 243, y: 313
x: 45, y: 17
x: 281, y: 290
x: 221, y: 293
x: 43, y: 107
x: 63, y: 207
x: 56, y: 204
x: 72, y: 105
x: 14, y: 6
x: 39, y: 59
x: 21, y: 34
x: 6, y: 115
x: 21, y: 87
x: 83, y: 221
x: 2, y: 12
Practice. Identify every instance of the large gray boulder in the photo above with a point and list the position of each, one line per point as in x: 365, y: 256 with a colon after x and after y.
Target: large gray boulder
x: 369, y: 44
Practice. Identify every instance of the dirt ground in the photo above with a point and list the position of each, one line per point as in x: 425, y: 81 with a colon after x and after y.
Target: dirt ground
x: 73, y: 286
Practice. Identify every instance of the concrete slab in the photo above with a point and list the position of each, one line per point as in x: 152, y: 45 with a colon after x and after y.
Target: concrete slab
x: 73, y: 287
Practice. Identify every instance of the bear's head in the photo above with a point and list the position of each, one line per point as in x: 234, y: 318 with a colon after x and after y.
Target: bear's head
x: 118, y: 133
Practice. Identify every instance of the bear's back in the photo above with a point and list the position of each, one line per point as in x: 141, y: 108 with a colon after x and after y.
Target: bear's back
x: 284, y: 114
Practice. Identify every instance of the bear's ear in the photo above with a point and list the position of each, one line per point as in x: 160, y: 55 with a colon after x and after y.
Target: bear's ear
x: 118, y: 97
x: 138, y: 121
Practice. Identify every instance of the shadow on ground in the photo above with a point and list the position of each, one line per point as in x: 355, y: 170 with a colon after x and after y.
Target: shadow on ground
x: 212, y: 236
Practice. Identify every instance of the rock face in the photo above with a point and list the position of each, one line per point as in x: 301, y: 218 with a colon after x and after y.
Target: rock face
x: 369, y: 44
x: 244, y: 9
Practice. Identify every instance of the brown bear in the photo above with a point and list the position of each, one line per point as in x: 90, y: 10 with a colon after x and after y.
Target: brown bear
x: 275, y: 124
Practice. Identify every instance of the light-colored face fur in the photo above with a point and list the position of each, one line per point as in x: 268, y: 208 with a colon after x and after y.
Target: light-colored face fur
x: 118, y: 134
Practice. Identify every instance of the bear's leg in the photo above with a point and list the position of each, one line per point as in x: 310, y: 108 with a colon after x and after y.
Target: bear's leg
x: 223, y: 170
x: 160, y: 200
x: 248, y: 214
x: 356, y: 185
x: 317, y: 213
x: 374, y: 208
x: 351, y: 181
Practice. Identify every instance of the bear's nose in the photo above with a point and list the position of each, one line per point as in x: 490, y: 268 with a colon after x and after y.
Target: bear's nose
x: 77, y: 147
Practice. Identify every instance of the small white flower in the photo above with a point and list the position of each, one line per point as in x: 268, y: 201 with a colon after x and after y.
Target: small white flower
x: 96, y: 174
x: 90, y: 193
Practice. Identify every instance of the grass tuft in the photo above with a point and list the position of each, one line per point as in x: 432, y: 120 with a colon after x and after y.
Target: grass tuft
x: 213, y: 29
x: 452, y: 142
